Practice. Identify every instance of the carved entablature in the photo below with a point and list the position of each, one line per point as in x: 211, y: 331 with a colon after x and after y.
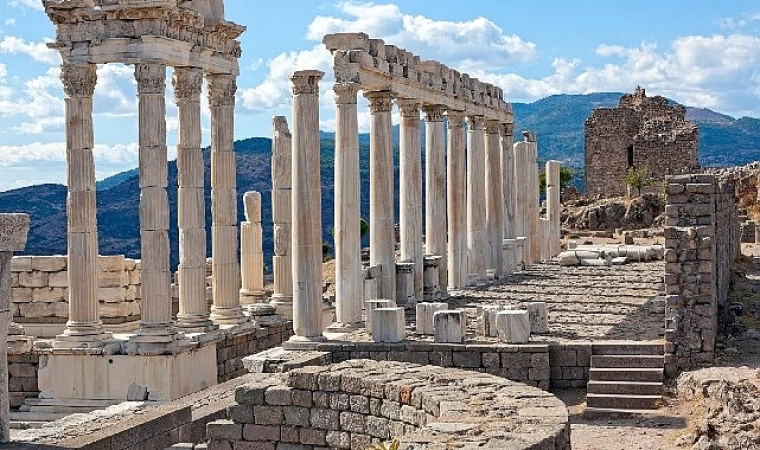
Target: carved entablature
x: 376, y: 66
x: 85, y: 24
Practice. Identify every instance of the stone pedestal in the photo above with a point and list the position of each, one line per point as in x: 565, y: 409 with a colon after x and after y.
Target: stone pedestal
x: 450, y: 326
x: 424, y: 316
x: 487, y: 320
x: 477, y: 239
x: 371, y: 275
x: 282, y: 297
x: 251, y: 252
x: 382, y: 241
x: 494, y: 200
x: 435, y: 190
x: 521, y: 244
x: 539, y: 318
x: 405, y: 290
x: 510, y: 255
x: 371, y: 306
x: 13, y: 233
x: 307, y: 208
x: 513, y: 326
x: 431, y: 278
x: 388, y: 325
x: 456, y: 194
x: 347, y: 235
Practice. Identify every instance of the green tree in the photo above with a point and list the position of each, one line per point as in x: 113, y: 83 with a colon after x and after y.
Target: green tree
x: 637, y: 178
x: 566, y: 176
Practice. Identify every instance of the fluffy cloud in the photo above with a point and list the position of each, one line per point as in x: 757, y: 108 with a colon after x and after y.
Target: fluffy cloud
x: 38, y: 51
x: 34, y: 4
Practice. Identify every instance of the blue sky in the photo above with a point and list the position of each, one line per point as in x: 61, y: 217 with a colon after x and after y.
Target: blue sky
x: 700, y: 53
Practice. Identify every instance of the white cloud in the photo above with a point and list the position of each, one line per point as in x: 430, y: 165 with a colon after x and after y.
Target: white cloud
x: 34, y: 4
x: 9, y: 22
x: 35, y: 50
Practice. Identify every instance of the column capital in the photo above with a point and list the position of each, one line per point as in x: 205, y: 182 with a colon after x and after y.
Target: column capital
x: 187, y: 83
x: 507, y: 129
x: 221, y: 89
x: 434, y: 113
x: 79, y: 79
x: 379, y: 101
x: 492, y: 126
x: 456, y: 118
x: 476, y: 122
x: 345, y: 93
x: 409, y: 108
x: 306, y: 81
x: 151, y: 78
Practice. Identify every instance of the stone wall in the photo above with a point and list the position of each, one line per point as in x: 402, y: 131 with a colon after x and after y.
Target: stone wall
x: 354, y: 404
x: 569, y: 364
x: 701, y: 243
x: 747, y: 231
x: 659, y: 137
x: 234, y: 347
x: 39, y: 297
x: 22, y: 377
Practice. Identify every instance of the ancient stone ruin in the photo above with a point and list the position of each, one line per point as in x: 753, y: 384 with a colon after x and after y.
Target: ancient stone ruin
x: 642, y: 132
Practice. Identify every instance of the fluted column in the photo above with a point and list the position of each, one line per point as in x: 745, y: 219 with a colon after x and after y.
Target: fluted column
x: 533, y: 197
x: 410, y: 185
x: 382, y: 240
x: 84, y: 323
x: 191, y: 204
x: 553, y: 206
x: 508, y: 177
x: 156, y: 311
x: 282, y: 297
x: 494, y: 200
x: 348, y: 258
x: 476, y: 211
x: 307, y: 208
x: 521, y: 176
x: 456, y: 201
x: 435, y: 190
x: 251, y: 252
x: 224, y: 239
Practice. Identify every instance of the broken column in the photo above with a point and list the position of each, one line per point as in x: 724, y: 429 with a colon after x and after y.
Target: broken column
x: 13, y: 233
x: 513, y: 326
x: 450, y: 326
x: 431, y: 288
x: 388, y: 325
x: 487, y: 319
x: 435, y: 190
x: 424, y: 316
x: 494, y: 201
x: 371, y: 306
x: 251, y: 252
x: 307, y: 208
x: 477, y: 240
x: 539, y: 318
x: 405, y: 285
x: 282, y: 297
x: 456, y: 201
x: 553, y: 206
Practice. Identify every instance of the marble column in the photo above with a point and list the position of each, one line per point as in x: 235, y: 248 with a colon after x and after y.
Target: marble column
x: 13, y: 233
x: 456, y: 201
x: 382, y: 240
x: 435, y: 190
x: 156, y: 307
x: 522, y: 228
x: 533, y: 197
x: 553, y: 208
x: 225, y: 282
x: 410, y: 186
x: 82, y: 229
x: 251, y: 252
x: 508, y: 177
x: 494, y: 200
x: 348, y: 259
x: 282, y: 297
x: 307, y: 208
x: 191, y: 204
x: 476, y: 211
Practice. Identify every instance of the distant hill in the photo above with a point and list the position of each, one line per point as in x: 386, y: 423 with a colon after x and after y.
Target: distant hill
x: 558, y: 120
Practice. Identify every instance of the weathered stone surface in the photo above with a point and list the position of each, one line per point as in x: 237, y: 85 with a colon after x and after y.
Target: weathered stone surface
x: 13, y: 232
x: 450, y: 326
x: 424, y: 316
x: 513, y: 326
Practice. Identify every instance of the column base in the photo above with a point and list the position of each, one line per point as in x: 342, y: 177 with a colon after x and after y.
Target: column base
x: 82, y: 335
x: 303, y: 342
x: 252, y: 296
x: 228, y: 315
x: 194, y: 323
x: 343, y: 327
x: 158, y: 340
x: 283, y: 305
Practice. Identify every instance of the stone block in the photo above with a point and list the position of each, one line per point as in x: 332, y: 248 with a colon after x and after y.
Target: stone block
x: 388, y: 325
x: 224, y: 430
x: 21, y: 264
x: 450, y: 326
x: 370, y: 306
x: 539, y: 317
x: 33, y: 279
x: 49, y: 263
x: 13, y: 232
x: 59, y: 279
x: 513, y: 326
x: 261, y: 433
x: 424, y: 316
x: 487, y: 319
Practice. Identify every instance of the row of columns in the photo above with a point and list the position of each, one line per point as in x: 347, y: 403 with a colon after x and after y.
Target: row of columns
x: 156, y: 324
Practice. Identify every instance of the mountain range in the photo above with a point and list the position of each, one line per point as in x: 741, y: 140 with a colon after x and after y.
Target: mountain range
x: 558, y: 121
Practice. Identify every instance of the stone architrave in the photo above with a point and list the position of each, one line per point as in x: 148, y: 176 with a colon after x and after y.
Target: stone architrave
x: 382, y: 241
x: 435, y: 190
x: 282, y: 297
x: 450, y: 326
x: 494, y: 199
x: 554, y: 208
x: 84, y: 323
x: 251, y: 252
x: 13, y: 233
x: 191, y: 203
x: 477, y: 239
x: 348, y: 264
x: 225, y: 281
x: 456, y: 201
x: 410, y: 187
x: 306, y: 208
x: 508, y: 177
x: 513, y: 326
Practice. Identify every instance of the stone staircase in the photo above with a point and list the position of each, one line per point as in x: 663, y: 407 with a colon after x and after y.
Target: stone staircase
x: 625, y: 378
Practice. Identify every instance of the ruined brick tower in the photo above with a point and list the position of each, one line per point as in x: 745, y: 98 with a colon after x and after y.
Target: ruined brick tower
x: 641, y: 132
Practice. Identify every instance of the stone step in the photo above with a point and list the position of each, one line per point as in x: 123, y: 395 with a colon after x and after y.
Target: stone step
x: 607, y: 413
x: 57, y: 409
x: 622, y: 361
x: 620, y: 401
x: 625, y: 387
x: 35, y: 401
x: 29, y: 417
x: 628, y: 348
x: 619, y: 374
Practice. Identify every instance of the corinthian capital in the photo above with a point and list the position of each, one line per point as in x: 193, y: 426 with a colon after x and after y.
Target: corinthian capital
x: 456, y: 118
x: 409, y: 108
x: 434, y: 113
x: 151, y: 78
x: 476, y: 122
x: 379, y: 101
x: 221, y: 90
x: 306, y: 81
x: 345, y: 93
x: 492, y: 127
x: 187, y: 83
x: 79, y: 79
x: 507, y: 129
